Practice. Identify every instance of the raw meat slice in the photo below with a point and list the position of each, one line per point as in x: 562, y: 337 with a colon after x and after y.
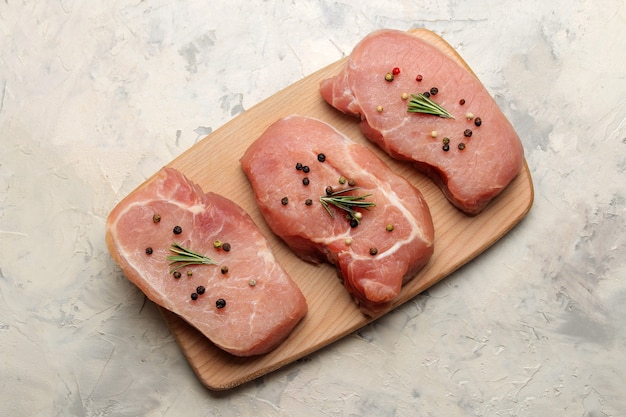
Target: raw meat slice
x: 471, y: 170
x: 248, y: 304
x: 290, y: 167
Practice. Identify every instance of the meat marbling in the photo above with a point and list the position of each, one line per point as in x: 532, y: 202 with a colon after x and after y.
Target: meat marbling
x: 282, y: 191
x: 247, y: 309
x: 492, y: 156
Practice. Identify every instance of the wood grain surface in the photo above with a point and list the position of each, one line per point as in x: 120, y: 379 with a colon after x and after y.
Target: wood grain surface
x: 214, y: 164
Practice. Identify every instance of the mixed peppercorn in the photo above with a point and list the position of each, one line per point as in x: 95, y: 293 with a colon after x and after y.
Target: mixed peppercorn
x: 183, y: 258
x: 422, y: 103
x: 341, y: 197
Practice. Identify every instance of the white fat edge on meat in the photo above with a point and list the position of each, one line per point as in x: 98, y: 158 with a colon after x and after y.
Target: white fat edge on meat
x: 195, y: 209
x: 264, y: 256
x: 346, y: 96
x: 416, y: 230
x: 387, y: 132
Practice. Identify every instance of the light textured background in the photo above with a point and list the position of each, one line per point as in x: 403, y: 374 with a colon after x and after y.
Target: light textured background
x: 97, y: 96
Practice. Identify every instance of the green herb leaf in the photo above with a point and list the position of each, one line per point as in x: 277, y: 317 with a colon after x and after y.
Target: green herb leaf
x: 185, y: 257
x: 419, y: 103
x: 347, y: 203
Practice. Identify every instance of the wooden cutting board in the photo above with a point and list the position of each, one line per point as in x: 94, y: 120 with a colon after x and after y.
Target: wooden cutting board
x: 214, y: 164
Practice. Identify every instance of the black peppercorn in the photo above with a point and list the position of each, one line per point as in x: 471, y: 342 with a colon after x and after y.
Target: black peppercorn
x: 461, y: 146
x: 321, y: 157
x: 445, y: 147
x: 354, y: 223
x: 373, y: 251
x: 200, y: 289
x: 224, y: 270
x: 305, y: 181
x: 148, y: 251
x: 284, y: 201
x: 434, y: 91
x: 226, y: 247
x: 306, y: 169
x: 426, y: 94
x: 176, y: 274
x: 299, y: 166
x: 308, y: 202
x: 220, y: 303
x: 478, y: 121
x: 177, y: 230
x: 194, y: 296
x: 467, y: 133
x: 329, y: 190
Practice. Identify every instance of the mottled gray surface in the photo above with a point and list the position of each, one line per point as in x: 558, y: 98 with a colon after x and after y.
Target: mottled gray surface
x: 95, y: 97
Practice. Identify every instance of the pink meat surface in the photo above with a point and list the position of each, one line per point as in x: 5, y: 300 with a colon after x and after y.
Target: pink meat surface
x: 374, y: 280
x: 492, y: 155
x: 247, y: 309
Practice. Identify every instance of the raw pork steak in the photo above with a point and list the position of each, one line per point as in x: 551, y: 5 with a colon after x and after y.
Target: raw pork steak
x: 472, y: 156
x: 245, y: 303
x: 290, y: 167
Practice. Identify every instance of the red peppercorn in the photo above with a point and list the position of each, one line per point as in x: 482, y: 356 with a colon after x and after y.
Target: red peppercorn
x: 462, y: 101
x: 419, y: 77
x: 395, y: 71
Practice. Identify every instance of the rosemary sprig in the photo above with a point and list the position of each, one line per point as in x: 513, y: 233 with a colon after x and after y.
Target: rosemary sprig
x: 185, y: 257
x: 347, y: 203
x: 419, y: 103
